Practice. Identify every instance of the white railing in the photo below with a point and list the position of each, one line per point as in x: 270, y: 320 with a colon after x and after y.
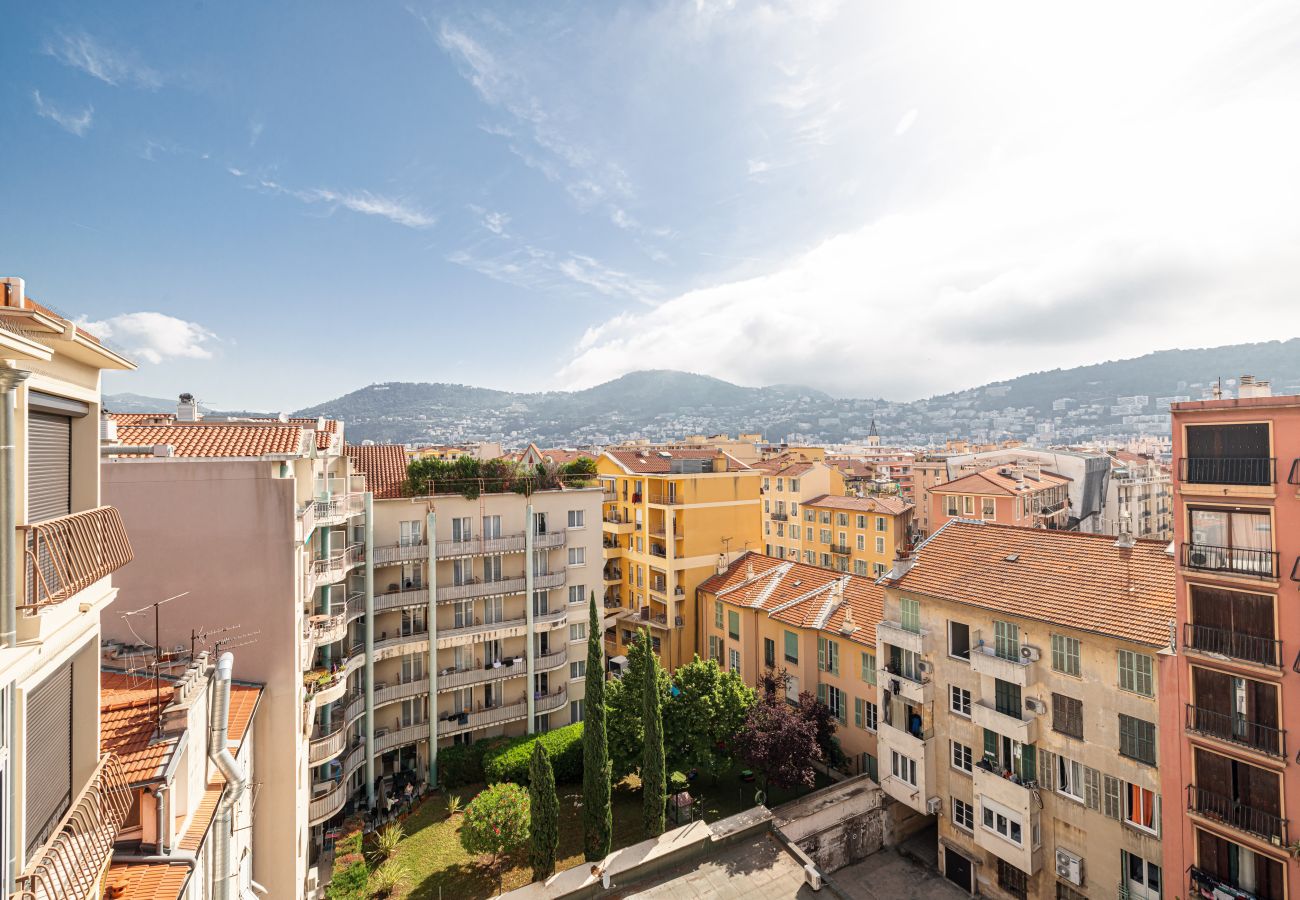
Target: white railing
x: 548, y: 580
x: 329, y: 745
x: 450, y: 637
x: 323, y: 630
x: 395, y: 553
x: 327, y: 804
x: 478, y: 588
x: 399, y: 599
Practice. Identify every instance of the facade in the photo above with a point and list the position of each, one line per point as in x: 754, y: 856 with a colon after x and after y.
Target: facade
x: 1139, y: 497
x: 1007, y: 495
x: 765, y: 613
x: 1237, y: 536
x: 862, y: 535
x: 788, y: 482
x: 927, y: 474
x: 511, y: 577
x: 1087, y: 474
x: 189, y: 830
x: 1020, y: 670
x: 63, y: 800
x: 260, y: 526
x: 669, y: 515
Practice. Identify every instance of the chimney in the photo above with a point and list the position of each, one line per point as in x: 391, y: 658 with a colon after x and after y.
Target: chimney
x: 14, y: 291
x: 902, y: 565
x: 1125, y: 541
x: 187, y: 409
x: 720, y: 462
x: 1248, y: 386
x: 107, y: 428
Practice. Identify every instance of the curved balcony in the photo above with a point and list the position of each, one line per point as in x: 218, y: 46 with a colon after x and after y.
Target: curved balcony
x: 322, y: 692
x: 385, y: 694
x: 551, y: 619
x: 327, y: 804
x: 356, y: 606
x: 321, y: 630
x: 355, y: 759
x: 401, y: 599
x: 415, y: 642
x: 355, y: 556
x: 331, y: 569
x: 549, y: 580
x: 498, y: 715
x: 387, y: 740
x: 469, y: 634
x: 327, y: 744
x: 476, y: 588
x: 389, y: 554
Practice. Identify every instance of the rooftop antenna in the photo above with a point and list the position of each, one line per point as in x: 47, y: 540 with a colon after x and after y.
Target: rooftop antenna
x: 157, y: 653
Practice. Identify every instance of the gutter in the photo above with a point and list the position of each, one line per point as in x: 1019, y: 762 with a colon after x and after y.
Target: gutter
x: 9, y: 569
x: 236, y: 779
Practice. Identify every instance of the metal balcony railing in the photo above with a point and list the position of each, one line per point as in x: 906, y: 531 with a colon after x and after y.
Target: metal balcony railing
x: 1233, y: 560
x: 72, y: 861
x: 841, y: 549
x: 477, y: 588
x: 1228, y: 470
x: 322, y: 630
x: 780, y: 517
x: 327, y: 804
x: 409, y: 551
x: 1263, y: 651
x: 1236, y: 814
x: 1202, y: 884
x: 1237, y: 729
x: 65, y: 555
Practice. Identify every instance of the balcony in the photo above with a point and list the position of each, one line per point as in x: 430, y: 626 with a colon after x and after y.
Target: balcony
x: 386, y: 740
x: 664, y: 499
x: 1203, y: 884
x: 779, y: 517
x: 912, y: 689
x: 841, y: 549
x: 1022, y: 730
x: 613, y: 523
x: 65, y: 555
x: 1230, y: 560
x: 331, y: 569
x: 1238, y: 471
x: 327, y: 803
x: 1235, y: 814
x: 416, y: 596
x: 985, y: 661
x: 333, y: 511
x: 613, y: 576
x: 399, y: 644
x: 501, y: 670
x: 510, y: 543
x: 894, y: 634
x: 548, y: 580
x: 549, y: 540
x: 321, y: 631
x: 1262, y: 651
x: 408, y: 551
x: 497, y: 715
x: 457, y: 636
x: 328, y: 740
x: 478, y: 588
x: 355, y: 606
x: 1237, y: 729
x: 72, y: 862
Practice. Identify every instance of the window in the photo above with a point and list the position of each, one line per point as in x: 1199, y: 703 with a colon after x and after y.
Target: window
x: 1012, y: 880
x: 794, y: 484
x: 733, y: 660
x: 1137, y: 739
x: 780, y: 484
x: 880, y: 545
x: 825, y: 535
x: 1143, y: 878
x: 836, y: 699
x: 865, y: 714
x: 1001, y: 821
x: 578, y: 669
x: 959, y: 700
x: 1006, y: 640
x: 968, y: 505
x: 769, y: 653
x: 959, y: 640
x: 1141, y: 808
x: 577, y: 593
x: 577, y: 710
x: 1006, y: 698
x: 910, y: 614
x: 963, y: 814
x: 1135, y: 673
x: 791, y: 647
x: 862, y: 542
x: 1065, y: 654
x: 862, y: 521
x: 990, y: 510
x: 792, y: 690
x: 1069, y: 778
x: 902, y: 767
x: 578, y: 631
x: 842, y: 520
x: 953, y: 509
x: 828, y: 655
x: 871, y: 767
x: 717, y: 614
x: 860, y: 566
x: 1067, y: 715
x: 733, y: 624
x: 961, y: 757
x: 869, y: 667
x: 577, y: 556
x: 577, y: 518
x: 715, y: 647
x: 1065, y: 892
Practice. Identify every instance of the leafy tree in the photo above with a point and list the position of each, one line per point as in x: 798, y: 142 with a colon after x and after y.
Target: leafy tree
x: 544, y: 807
x: 583, y: 465
x: 623, y: 700
x: 777, y: 740
x: 597, y: 783
x: 704, y: 711
x: 824, y: 723
x: 495, y: 823
x: 654, y: 788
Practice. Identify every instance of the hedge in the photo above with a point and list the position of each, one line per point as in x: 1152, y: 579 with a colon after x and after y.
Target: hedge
x: 463, y: 764
x: 508, y: 761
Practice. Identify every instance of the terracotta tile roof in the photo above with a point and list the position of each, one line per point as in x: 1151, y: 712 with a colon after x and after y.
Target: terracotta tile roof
x: 653, y: 463
x: 561, y: 456
x: 148, y: 881
x: 217, y: 439
x: 787, y: 465
x: 992, y: 482
x: 143, y: 418
x: 1127, y: 457
x: 852, y: 468
x: 323, y: 438
x: 890, y: 506
x: 127, y: 716
x: 802, y: 595
x: 384, y: 466
x: 1080, y: 581
x: 193, y: 837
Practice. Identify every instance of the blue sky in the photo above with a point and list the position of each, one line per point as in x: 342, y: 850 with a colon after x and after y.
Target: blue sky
x: 272, y: 204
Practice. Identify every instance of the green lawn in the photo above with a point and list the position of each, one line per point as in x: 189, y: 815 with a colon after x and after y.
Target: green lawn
x: 442, y: 870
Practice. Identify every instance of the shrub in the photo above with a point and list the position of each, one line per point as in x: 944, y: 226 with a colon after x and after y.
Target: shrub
x: 463, y: 764
x: 389, y: 879
x: 453, y: 804
x: 349, y: 882
x: 509, y: 760
x: 496, y: 822
x: 385, y: 844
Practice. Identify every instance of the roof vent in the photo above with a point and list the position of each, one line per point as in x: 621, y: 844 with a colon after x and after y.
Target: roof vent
x: 1125, y: 541
x: 1011, y: 557
x: 187, y: 409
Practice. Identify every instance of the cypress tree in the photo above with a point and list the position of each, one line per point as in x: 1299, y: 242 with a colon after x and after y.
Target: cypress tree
x: 545, y: 808
x: 597, y: 811
x: 654, y: 788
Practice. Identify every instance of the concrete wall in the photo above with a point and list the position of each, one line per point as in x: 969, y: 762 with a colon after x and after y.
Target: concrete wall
x: 836, y: 826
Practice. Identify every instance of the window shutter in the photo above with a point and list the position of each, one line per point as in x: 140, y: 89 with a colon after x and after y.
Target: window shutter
x: 821, y: 693
x: 1090, y: 788
x: 49, y: 755
x: 49, y: 466
x: 835, y: 657
x: 857, y: 712
x: 990, y: 744
x: 1113, y: 808
x: 821, y: 653
x: 1046, y: 770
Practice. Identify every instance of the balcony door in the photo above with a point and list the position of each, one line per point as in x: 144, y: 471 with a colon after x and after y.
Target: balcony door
x: 1232, y: 865
x: 491, y: 527
x: 1234, y: 540
x: 460, y: 529
x: 1142, y: 878
x: 411, y: 533
x: 491, y: 569
x: 1235, y: 624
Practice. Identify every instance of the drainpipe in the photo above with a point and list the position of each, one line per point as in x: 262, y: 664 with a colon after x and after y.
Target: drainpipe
x: 370, y: 650
x: 9, y: 569
x: 530, y: 529
x: 236, y: 779
x: 431, y: 617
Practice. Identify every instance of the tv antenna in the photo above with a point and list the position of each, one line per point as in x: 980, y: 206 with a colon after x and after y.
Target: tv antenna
x: 157, y: 651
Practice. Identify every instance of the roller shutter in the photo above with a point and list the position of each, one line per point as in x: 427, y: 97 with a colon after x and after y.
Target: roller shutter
x: 48, y: 756
x: 49, y: 466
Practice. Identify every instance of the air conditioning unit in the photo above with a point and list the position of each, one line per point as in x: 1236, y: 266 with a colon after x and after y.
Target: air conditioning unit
x: 1035, y: 706
x: 1030, y: 654
x: 934, y: 805
x: 1069, y: 867
x: 812, y: 877
x: 924, y: 667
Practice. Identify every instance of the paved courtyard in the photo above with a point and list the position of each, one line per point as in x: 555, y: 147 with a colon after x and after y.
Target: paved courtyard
x: 888, y: 875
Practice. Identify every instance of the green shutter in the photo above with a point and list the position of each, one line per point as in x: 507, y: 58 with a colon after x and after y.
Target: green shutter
x: 857, y: 712
x: 1028, y: 757
x: 717, y: 613
x: 821, y: 693
x: 1113, y: 807
x: 990, y: 744
x: 791, y: 646
x: 821, y: 654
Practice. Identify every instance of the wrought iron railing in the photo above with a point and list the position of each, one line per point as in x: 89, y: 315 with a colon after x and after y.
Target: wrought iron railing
x: 1236, y: 814
x: 1228, y: 470
x: 1237, y: 729
x: 1226, y: 642
x: 65, y: 555
x: 1234, y: 560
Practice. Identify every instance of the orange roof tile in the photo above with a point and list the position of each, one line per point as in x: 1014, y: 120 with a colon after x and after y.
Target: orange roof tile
x: 890, y: 506
x: 561, y: 457
x: 143, y: 418
x: 148, y: 881
x: 128, y: 716
x: 384, y: 466
x: 651, y: 461
x: 217, y: 439
x: 1066, y: 578
x: 991, y: 481
x: 802, y: 595
x: 852, y: 468
x: 786, y: 465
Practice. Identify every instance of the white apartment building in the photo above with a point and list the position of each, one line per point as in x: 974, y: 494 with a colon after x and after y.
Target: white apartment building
x: 1139, y: 497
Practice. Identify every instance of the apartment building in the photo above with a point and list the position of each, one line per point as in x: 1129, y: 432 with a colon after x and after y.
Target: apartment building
x: 789, y: 480
x: 62, y: 801
x: 862, y: 535
x: 1020, y: 674
x: 190, y: 826
x: 927, y: 474
x: 1021, y: 495
x: 481, y: 603
x: 257, y: 528
x: 1139, y: 497
x: 820, y: 626
x: 669, y: 515
x: 1225, y: 737
x: 1087, y: 474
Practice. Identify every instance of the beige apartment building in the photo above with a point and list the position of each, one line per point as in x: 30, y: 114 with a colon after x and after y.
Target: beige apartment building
x: 64, y: 802
x: 1139, y: 497
x: 927, y: 474
x: 481, y: 603
x: 789, y: 481
x: 257, y: 527
x: 1020, y: 671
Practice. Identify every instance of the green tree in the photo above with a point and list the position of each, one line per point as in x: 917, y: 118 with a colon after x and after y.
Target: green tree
x: 704, y: 711
x: 495, y: 823
x: 623, y: 700
x: 654, y: 788
x: 597, y: 777
x: 544, y: 809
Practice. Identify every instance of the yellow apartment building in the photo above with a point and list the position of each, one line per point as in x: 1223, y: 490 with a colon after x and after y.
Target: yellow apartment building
x: 1020, y: 671
x: 818, y: 625
x: 789, y: 481
x: 861, y: 535
x: 669, y: 515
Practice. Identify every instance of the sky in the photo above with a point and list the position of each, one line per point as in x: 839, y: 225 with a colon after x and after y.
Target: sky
x: 270, y: 205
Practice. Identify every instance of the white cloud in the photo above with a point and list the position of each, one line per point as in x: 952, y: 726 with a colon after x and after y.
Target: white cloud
x: 81, y: 51
x: 494, y: 222
x: 77, y: 123
x: 154, y: 337
x: 398, y: 211
x: 539, y: 269
x: 255, y: 128
x: 905, y: 123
